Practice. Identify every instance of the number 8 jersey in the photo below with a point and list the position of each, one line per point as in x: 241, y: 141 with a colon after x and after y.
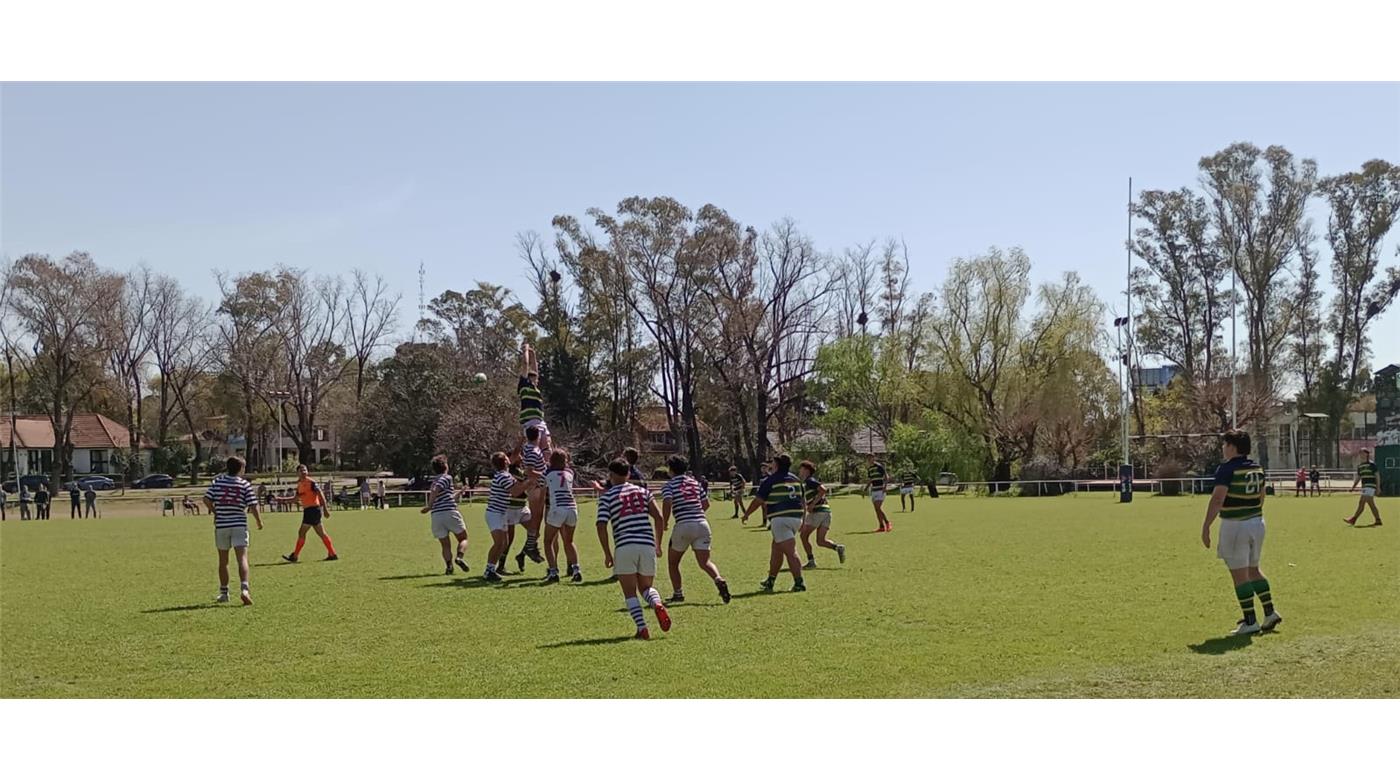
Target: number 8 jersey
x: 1244, y: 481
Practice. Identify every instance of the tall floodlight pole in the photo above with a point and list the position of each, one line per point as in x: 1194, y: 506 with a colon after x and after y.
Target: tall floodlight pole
x: 14, y: 411
x: 1129, y: 321
x: 1234, y: 369
x: 281, y: 397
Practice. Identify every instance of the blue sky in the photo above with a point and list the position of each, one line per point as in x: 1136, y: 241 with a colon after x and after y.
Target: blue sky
x: 195, y: 178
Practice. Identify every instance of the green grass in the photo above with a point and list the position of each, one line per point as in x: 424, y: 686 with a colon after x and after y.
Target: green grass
x: 1073, y: 596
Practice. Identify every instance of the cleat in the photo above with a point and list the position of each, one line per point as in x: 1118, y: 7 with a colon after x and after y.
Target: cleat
x: 642, y: 633
x: 449, y: 571
x: 1378, y: 524
x: 676, y: 598
x: 1349, y: 520
x: 1242, y: 628
x: 841, y: 553
x: 662, y: 616
x: 767, y: 585
x: 1270, y: 621
x: 332, y: 557
x: 289, y: 558
x: 551, y: 577
x: 491, y: 576
x: 520, y: 561
x: 798, y: 587
x: 222, y: 599
x: 463, y: 565
x: 535, y: 556
x: 809, y: 565
x: 723, y: 590
x: 576, y: 577
x: 247, y: 599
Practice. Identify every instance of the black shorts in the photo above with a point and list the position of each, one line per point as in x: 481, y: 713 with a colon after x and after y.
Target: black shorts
x: 1301, y: 484
x: 311, y: 515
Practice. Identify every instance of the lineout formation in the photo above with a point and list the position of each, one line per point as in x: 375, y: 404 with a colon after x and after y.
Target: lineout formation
x: 792, y: 505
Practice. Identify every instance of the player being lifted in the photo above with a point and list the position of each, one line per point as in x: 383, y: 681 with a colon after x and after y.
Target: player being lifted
x: 818, y: 515
x: 875, y: 474
x: 505, y: 488
x: 531, y: 400
x: 1369, y: 480
x: 636, y: 544
x: 1238, y: 498
x: 683, y: 499
x: 563, y: 517
x: 781, y: 494
x: 446, y: 518
x: 736, y: 489
x: 313, y: 508
x: 907, y: 479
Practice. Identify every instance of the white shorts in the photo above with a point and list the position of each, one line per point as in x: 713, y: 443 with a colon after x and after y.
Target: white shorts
x: 1240, y: 542
x: 877, y: 495
x: 1368, y: 492
x: 544, y: 429
x: 817, y: 520
x: 691, y: 534
x: 447, y: 522
x: 906, y: 491
x: 495, y: 521
x: 517, y: 514
x: 558, y: 518
x: 635, y: 559
x: 784, y: 528
x: 230, y: 538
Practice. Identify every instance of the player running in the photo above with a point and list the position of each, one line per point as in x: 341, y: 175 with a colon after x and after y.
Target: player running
x: 818, y: 515
x: 1238, y: 498
x: 313, y: 509
x: 875, y: 475
x: 446, y: 518
x: 736, y: 489
x: 505, y: 489
x: 1369, y: 480
x: 781, y: 494
x: 562, y: 519
x: 531, y: 400
x: 907, y: 479
x: 627, y: 507
x: 683, y: 499
x: 229, y: 498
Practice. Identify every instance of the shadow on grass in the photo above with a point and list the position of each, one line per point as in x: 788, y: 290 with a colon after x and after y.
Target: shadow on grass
x: 685, y: 604
x: 461, y: 582
x: 862, y: 533
x: 594, y: 583
x: 183, y: 608
x: 1222, y: 644
x: 753, y: 593
x: 1372, y: 525
x: 273, y: 563
x: 605, y: 640
x: 413, y: 576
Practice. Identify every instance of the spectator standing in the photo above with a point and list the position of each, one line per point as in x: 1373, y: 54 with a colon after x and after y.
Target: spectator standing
x: 41, y: 502
x: 75, y: 500
x: 90, y: 494
x: 23, y: 502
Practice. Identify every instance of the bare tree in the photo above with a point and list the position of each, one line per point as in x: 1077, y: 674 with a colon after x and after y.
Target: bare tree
x: 182, y: 349
x: 372, y: 314
x: 247, y: 347
x: 309, y: 320
x: 132, y: 333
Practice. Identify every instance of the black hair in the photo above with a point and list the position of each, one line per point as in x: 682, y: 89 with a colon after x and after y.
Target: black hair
x: 439, y: 464
x: 678, y: 465
x: 1238, y: 439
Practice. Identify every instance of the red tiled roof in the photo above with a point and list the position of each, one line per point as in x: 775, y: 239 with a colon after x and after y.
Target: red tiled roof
x: 91, y: 431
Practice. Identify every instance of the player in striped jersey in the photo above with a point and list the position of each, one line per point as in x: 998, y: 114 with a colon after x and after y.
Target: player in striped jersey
x: 907, y: 479
x: 1238, y: 499
x: 684, y: 499
x: 736, y: 489
x: 1369, y: 479
x: 518, y: 513
x: 818, y: 515
x: 229, y: 498
x: 562, y: 519
x: 531, y: 399
x: 875, y: 475
x: 446, y: 518
x: 532, y: 459
x: 505, y: 489
x: 781, y: 494
x: 627, y: 507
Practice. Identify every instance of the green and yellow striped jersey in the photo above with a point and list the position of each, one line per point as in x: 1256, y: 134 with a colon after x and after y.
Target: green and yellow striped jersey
x: 516, y: 502
x: 531, y: 402
x: 1368, y: 475
x: 809, y: 494
x: 1244, y: 483
x: 875, y: 473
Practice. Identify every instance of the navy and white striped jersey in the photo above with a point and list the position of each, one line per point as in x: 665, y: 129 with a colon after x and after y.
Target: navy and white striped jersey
x: 686, y: 497
x: 561, y: 488
x: 231, y: 496
x: 533, y: 457
x: 498, y: 500
x: 446, y: 500
x: 625, y: 506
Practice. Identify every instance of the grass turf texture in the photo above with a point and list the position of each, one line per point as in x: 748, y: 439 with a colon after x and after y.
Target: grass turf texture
x: 969, y: 597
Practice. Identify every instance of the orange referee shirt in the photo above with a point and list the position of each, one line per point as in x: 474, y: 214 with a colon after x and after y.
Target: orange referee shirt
x: 306, y: 493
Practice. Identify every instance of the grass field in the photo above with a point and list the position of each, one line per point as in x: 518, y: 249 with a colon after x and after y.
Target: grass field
x: 1005, y: 597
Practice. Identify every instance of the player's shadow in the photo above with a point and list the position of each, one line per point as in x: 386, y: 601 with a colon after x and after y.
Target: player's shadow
x: 1372, y: 525
x: 686, y: 604
x: 1222, y: 644
x: 754, y: 593
x: 604, y: 640
x: 412, y: 576
x: 461, y: 582
x: 862, y: 533
x: 273, y: 563
x: 593, y: 583
x: 182, y: 608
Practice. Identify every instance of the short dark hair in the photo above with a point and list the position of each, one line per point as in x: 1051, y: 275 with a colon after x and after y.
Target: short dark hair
x: 620, y: 467
x: 809, y: 465
x: 499, y: 460
x: 439, y: 464
x: 557, y: 458
x: 678, y: 465
x: 234, y: 465
x: 532, y: 433
x: 1238, y: 439
x: 733, y: 468
x: 631, y: 455
x: 783, y: 462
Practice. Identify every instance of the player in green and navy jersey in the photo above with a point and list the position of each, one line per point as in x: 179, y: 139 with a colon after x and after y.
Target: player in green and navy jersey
x: 736, y: 489
x: 875, y: 475
x: 907, y: 479
x: 1370, y: 481
x: 818, y: 514
x: 1238, y: 499
x: 780, y: 494
x: 531, y: 399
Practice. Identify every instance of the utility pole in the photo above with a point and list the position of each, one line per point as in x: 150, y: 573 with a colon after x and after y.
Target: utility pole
x: 14, y: 411
x: 280, y: 396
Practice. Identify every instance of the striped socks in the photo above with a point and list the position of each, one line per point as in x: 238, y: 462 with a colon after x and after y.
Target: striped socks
x: 1261, y: 589
x: 652, y: 596
x: 634, y: 607
x: 1245, y: 593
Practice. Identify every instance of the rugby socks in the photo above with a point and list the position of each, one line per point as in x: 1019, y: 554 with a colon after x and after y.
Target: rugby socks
x: 243, y: 585
x: 634, y: 608
x: 1261, y: 589
x: 301, y: 542
x: 330, y: 548
x: 532, y: 543
x: 223, y: 590
x: 652, y: 596
x: 1245, y: 593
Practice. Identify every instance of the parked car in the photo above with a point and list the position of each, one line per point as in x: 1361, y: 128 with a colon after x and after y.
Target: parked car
x: 31, y: 481
x: 154, y: 481
x: 96, y: 481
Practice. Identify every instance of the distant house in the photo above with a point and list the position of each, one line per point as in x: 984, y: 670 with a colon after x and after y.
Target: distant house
x: 652, y: 432
x: 94, y: 437
x: 864, y: 440
x: 1386, y: 383
x: 1154, y: 380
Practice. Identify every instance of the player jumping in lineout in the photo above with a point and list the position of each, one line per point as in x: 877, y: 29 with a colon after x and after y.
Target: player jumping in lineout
x: 818, y: 515
x: 1369, y: 480
x: 636, y: 546
x: 683, y: 499
x: 314, y: 508
x: 1238, y: 499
